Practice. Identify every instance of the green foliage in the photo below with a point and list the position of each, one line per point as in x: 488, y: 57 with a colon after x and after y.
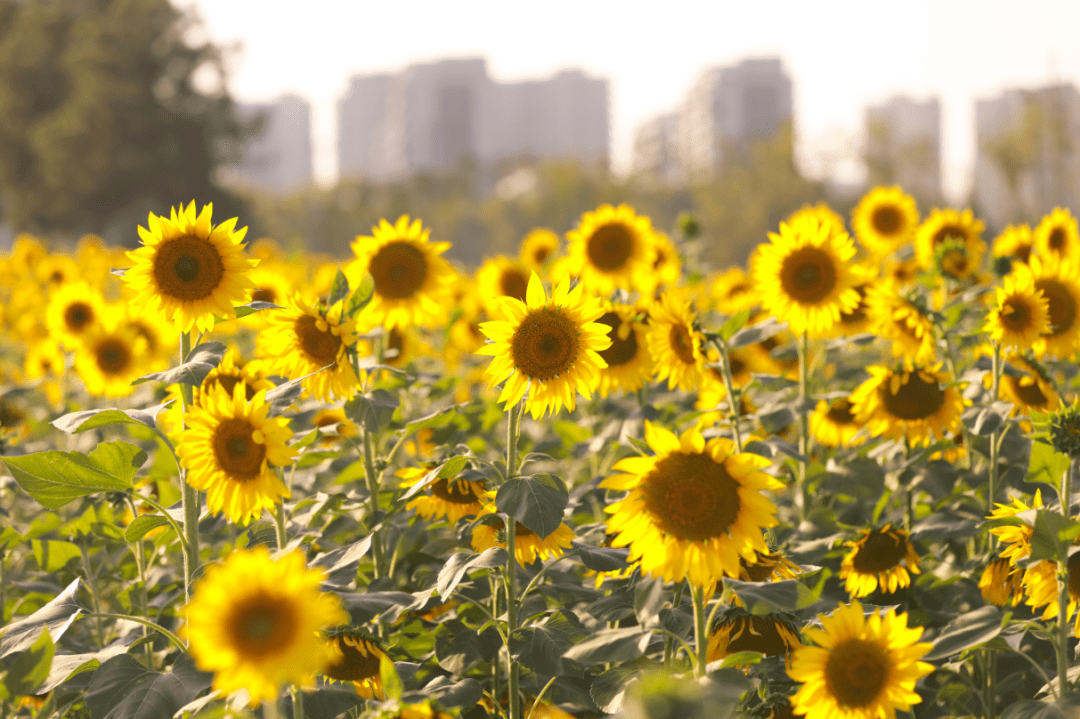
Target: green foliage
x: 537, y: 502
x: 55, y: 478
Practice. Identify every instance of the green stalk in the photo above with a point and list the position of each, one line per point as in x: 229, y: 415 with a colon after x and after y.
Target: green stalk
x: 298, y: 703
x: 1063, y: 595
x: 279, y: 525
x: 991, y: 490
x: 701, y: 635
x: 989, y: 689
x: 373, y: 498
x: 733, y: 400
x: 189, y: 496
x: 512, y: 599
x: 804, y: 426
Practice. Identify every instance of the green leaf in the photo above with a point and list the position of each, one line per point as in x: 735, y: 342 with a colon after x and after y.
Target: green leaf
x: 762, y: 598
x: 65, y: 666
x: 75, y: 422
x: 735, y: 323
x: 450, y: 468
x: 774, y: 383
x: 1031, y: 709
x: 391, y: 680
x: 52, y: 555
x: 361, y: 296
x: 1047, y: 464
x: 199, y: 363
x: 122, y: 688
x: 56, y: 616
x: 249, y: 309
x: 142, y: 525
x: 373, y: 410
x: 456, y: 567
x: 537, y: 502
x: 610, y: 646
x: 740, y: 659
x: 55, y: 478
x: 572, y: 433
x: 339, y: 289
x: 755, y: 333
x: 541, y: 649
x: 602, y: 559
x: 29, y: 668
x: 436, y: 419
x: 1052, y: 536
x: 968, y: 630
x: 608, y: 688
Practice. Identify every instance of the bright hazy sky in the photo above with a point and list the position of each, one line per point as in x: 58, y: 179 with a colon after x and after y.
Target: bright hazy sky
x: 841, y: 54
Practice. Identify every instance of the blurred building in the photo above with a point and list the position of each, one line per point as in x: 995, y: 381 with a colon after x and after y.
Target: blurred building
x: 1028, y: 153
x: 431, y: 117
x: 903, y: 146
x: 656, y: 152
x: 278, y: 160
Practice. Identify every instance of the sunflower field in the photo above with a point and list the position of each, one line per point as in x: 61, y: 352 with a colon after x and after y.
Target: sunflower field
x: 585, y: 481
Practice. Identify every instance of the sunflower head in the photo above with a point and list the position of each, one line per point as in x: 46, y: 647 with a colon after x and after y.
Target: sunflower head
x: 1057, y: 236
x: 110, y: 357
x: 629, y: 364
x: 356, y: 656
x: 732, y: 291
x: 190, y: 270
x: 875, y: 561
x: 528, y: 546
x: 833, y: 424
x: 912, y: 401
x: 1064, y: 429
x: 448, y: 497
x: 74, y: 309
x: 736, y: 630
x: 952, y: 259
x: 885, y: 219
x: 944, y: 225
x: 676, y: 344
x: 1021, y: 315
x: 538, y: 248
x: 1014, y: 244
x: 1001, y: 583
x: 501, y: 277
x: 1028, y: 386
x: 613, y: 247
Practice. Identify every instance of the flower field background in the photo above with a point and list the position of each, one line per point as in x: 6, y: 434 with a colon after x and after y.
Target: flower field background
x: 579, y: 482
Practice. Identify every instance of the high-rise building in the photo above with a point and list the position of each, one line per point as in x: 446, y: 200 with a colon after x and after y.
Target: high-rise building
x: 1028, y: 153
x: 431, y: 116
x: 278, y: 160
x: 903, y: 146
x: 656, y: 150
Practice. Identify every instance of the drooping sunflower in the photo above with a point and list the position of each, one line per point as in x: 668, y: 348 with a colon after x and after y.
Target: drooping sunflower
x: 1059, y: 281
x: 501, y: 277
x: 1021, y: 315
x: 943, y: 225
x: 912, y: 401
x: 1029, y: 389
x: 694, y: 509
x: 546, y: 347
x: 875, y: 561
x: 109, y: 358
x: 355, y: 656
x: 732, y: 291
x: 833, y: 424
x: 448, y: 497
x: 73, y: 309
x: 412, y: 280
x: 300, y: 340
x: 768, y: 566
x: 803, y: 275
x: 1013, y: 244
x: 864, y: 667
x: 1016, y: 538
x: 629, y: 364
x: 736, y: 630
x: 885, y: 220
x: 1041, y: 585
x: 1001, y: 583
x: 1057, y: 236
x: 897, y: 318
x: 256, y: 622
x: 612, y: 247
x: 528, y: 546
x: 538, y: 248
x: 228, y: 448
x: 676, y: 345
x: 190, y: 270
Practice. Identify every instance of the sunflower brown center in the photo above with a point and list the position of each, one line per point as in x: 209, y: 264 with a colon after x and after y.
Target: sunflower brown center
x: 758, y: 571
x: 621, y: 350
x: 513, y: 283
x: 858, y: 314
x: 264, y: 294
x: 692, y: 497
x: 1023, y: 253
x: 1030, y: 394
x: 188, y: 268
x: 1056, y: 240
x: 236, y: 451
x: 399, y: 269
x: 10, y: 415
x: 610, y: 246
x: 879, y: 552
x: 78, y: 315
x: 228, y: 383
x: 915, y: 399
x: 1015, y: 314
x: 856, y: 672
x: 757, y: 634
x: 1061, y: 304
x: 541, y: 254
x: 262, y: 625
x: 354, y: 665
x: 682, y: 344
x: 949, y: 232
x: 886, y: 220
x: 113, y: 356
x: 840, y: 412
x: 321, y: 346
x: 454, y: 493
x: 808, y: 275
x: 545, y: 345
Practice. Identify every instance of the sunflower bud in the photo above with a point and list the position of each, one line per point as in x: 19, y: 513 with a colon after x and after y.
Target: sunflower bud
x: 1064, y: 430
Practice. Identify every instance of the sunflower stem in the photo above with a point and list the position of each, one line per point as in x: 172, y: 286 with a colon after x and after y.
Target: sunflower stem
x: 701, y: 636
x: 373, y: 499
x: 989, y: 689
x: 189, y: 496
x: 991, y: 489
x: 733, y: 400
x: 297, y: 703
x: 512, y: 599
x: 279, y: 524
x: 270, y: 709
x: 1063, y: 594
x: 804, y: 426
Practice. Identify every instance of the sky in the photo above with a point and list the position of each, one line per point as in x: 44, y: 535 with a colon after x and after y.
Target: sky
x: 842, y: 55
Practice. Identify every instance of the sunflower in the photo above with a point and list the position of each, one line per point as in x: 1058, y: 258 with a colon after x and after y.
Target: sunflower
x: 944, y: 225
x: 874, y: 561
x: 667, y: 267
x: 424, y: 711
x: 300, y: 340
x: 1001, y: 583
x: 228, y: 447
x: 736, y: 630
x: 1030, y: 389
x: 803, y: 275
x: 864, y: 667
x: 355, y: 656
x: 1013, y: 244
x: 676, y: 345
x: 833, y: 424
x: 546, y: 347
x: 732, y: 291
x: 538, y: 247
x: 897, y: 318
x: 527, y: 544
x: 885, y: 219
x: 255, y: 622
x: 110, y: 357
x: 1056, y: 236
x: 335, y: 424
x: 412, y: 280
x: 272, y: 283
x: 161, y: 337
x: 858, y: 320
x: 190, y: 270
x: 612, y: 247
x: 1017, y: 538
x: 1041, y: 584
x: 900, y: 274
x: 629, y: 364
x: 821, y: 213
x: 910, y: 401
x: 767, y: 566
x: 1021, y: 315
x: 1060, y: 283
x: 501, y: 277
x: 57, y: 270
x: 230, y: 372
x: 72, y: 311
x: 694, y: 509
x: 445, y: 497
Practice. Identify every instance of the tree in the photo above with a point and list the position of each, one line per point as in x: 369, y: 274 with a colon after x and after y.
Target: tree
x: 101, y: 119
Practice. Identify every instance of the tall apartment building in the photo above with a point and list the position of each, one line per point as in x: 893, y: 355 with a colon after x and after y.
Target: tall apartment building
x: 1028, y: 153
x: 430, y: 116
x: 903, y: 146
x: 279, y: 159
x: 656, y: 152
